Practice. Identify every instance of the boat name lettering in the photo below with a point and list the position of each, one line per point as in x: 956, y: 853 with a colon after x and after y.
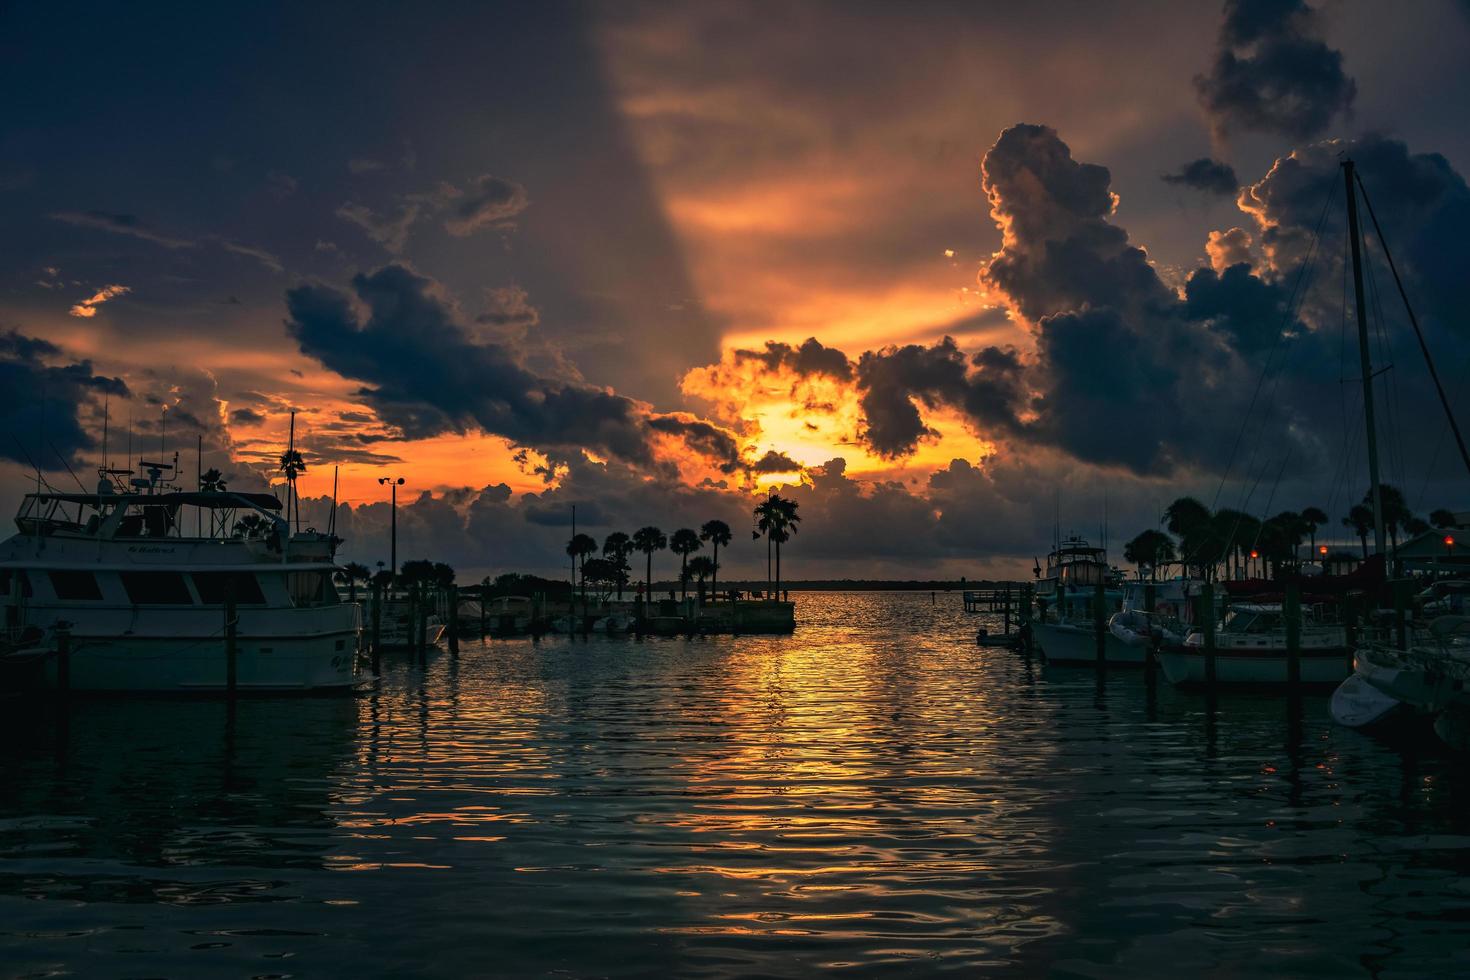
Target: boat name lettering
x: 150, y: 549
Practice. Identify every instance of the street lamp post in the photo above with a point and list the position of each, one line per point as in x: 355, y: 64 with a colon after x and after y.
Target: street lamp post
x: 393, y: 552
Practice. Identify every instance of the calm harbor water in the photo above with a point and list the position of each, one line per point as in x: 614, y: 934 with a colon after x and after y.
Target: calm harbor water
x: 872, y: 794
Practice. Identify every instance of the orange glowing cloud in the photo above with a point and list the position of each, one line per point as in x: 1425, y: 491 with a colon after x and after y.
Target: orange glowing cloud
x: 88, y: 307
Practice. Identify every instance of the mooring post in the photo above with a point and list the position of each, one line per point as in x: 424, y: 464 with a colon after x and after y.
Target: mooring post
x: 1207, y: 622
x: 414, y: 636
x: 63, y: 656
x: 1099, y: 627
x: 1006, y: 611
x: 454, y: 620
x: 232, y: 636
x: 377, y: 634
x: 1292, y: 613
x: 425, y: 610
x: 1150, y: 605
x: 484, y: 588
x: 1350, y: 628
x: 1400, y: 617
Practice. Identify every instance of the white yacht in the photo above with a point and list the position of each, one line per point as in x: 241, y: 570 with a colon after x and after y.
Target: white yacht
x: 139, y: 602
x: 1066, y: 628
x: 1250, y: 649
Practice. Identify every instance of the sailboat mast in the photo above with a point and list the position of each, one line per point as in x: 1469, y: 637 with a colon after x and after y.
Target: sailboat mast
x: 1366, y: 364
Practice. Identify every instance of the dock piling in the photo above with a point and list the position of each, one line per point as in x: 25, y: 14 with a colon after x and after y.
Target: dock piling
x: 377, y: 634
x: 1098, y: 624
x: 1291, y: 609
x: 1207, y: 623
x: 453, y: 591
x: 232, y: 635
x: 1151, y: 652
x: 63, y: 657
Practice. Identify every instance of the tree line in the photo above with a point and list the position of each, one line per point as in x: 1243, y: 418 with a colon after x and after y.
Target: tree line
x: 1209, y: 543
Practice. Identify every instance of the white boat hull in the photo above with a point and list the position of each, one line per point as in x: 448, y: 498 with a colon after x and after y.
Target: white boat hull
x: 184, y: 664
x: 1186, y: 666
x: 1063, y: 643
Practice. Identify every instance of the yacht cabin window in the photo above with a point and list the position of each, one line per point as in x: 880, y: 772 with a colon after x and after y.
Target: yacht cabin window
x: 5, y: 583
x: 157, y: 589
x: 311, y: 589
x: 211, y: 588
x: 74, y: 585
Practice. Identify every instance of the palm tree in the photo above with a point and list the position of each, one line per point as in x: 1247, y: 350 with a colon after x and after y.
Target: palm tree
x: 352, y: 573
x: 648, y: 540
x: 1442, y: 518
x: 212, y: 481
x: 717, y: 533
x: 1360, y: 519
x: 1313, y: 518
x: 1395, y: 510
x: 251, y: 526
x: 293, y: 464
x: 777, y: 518
x: 1149, y: 549
x: 1416, y: 526
x: 702, y: 567
x: 1189, y: 520
x: 684, y: 542
x: 618, y: 547
x: 579, y: 548
x: 1236, y: 533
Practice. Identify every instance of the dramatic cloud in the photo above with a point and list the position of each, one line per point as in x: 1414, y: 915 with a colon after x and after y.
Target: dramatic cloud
x: 430, y: 374
x: 88, y: 307
x: 1207, y: 175
x: 246, y: 416
x: 508, y: 307
x: 42, y: 402
x: 774, y: 462
x: 1272, y: 72
x: 894, y: 379
x: 487, y: 202
x: 808, y: 359
x: 703, y: 437
x: 1059, y: 250
x: 389, y: 231
x: 1227, y: 248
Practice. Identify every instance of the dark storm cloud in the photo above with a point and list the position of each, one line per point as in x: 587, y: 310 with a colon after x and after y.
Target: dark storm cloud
x: 1207, y: 175
x: 508, y: 307
x: 894, y: 381
x: 703, y: 437
x: 808, y: 359
x: 1125, y: 373
x: 774, y: 462
x: 1273, y: 73
x: 41, y: 401
x: 246, y: 416
x: 1060, y: 249
x: 428, y: 376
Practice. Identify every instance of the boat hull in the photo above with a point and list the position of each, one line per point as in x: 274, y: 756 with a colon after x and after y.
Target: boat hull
x: 1062, y: 643
x: 198, y: 664
x: 1185, y: 667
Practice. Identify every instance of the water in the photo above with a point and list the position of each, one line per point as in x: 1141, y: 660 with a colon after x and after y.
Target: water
x: 873, y: 794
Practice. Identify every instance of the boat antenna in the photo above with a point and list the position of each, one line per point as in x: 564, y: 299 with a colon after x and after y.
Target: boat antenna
x: 1414, y: 321
x: 332, y: 518
x: 106, y: 395
x: 64, y: 462
x: 199, y: 485
x: 1365, y: 360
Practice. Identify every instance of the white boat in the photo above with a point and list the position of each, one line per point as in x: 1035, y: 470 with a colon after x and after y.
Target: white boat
x: 614, y: 623
x: 1065, y: 630
x: 1429, y: 678
x: 1250, y: 649
x: 140, y: 604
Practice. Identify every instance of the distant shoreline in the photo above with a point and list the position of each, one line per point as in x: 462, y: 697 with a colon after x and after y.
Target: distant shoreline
x: 851, y: 585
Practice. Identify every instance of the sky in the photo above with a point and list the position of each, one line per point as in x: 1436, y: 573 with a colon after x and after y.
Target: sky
x: 949, y: 275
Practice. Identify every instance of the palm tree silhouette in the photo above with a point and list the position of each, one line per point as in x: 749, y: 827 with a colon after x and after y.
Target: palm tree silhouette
x: 212, y: 481
x: 717, y: 533
x: 702, y: 567
x: 618, y: 547
x: 351, y: 574
x: 1360, y: 519
x: 1149, y: 549
x: 251, y: 526
x: 777, y: 518
x: 1313, y: 518
x: 684, y: 543
x: 648, y: 540
x: 579, y: 548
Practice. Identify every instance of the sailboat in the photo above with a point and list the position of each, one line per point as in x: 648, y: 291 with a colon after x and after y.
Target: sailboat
x: 1423, y: 667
